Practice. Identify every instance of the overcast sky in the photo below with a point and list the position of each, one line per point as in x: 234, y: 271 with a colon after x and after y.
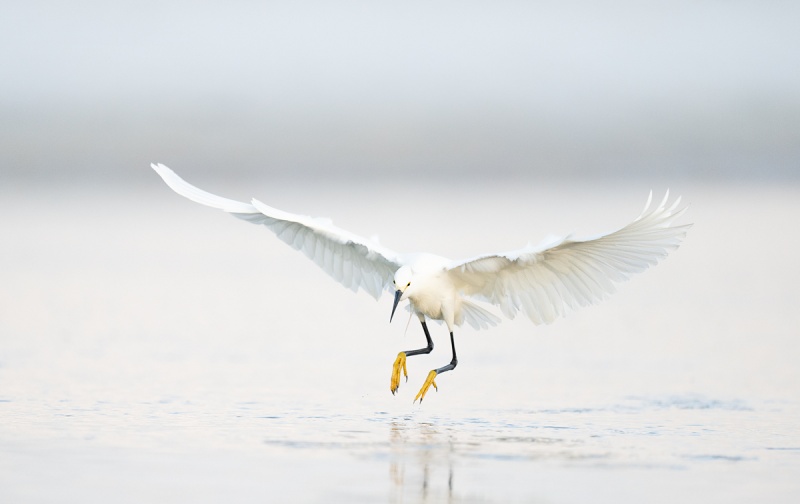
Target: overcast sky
x: 700, y: 88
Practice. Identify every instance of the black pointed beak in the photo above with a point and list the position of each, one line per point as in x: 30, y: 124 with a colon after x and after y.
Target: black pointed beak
x: 397, y: 295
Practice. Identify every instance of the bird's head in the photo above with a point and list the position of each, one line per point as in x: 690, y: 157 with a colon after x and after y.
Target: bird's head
x: 401, y: 282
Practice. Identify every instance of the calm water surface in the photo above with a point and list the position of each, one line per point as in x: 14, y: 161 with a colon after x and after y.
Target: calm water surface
x: 152, y: 350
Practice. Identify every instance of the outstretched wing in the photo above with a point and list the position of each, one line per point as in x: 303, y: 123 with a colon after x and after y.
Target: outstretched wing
x: 546, y: 283
x: 351, y: 260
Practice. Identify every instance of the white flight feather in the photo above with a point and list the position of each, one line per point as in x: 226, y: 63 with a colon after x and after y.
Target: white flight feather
x: 544, y: 281
x: 353, y: 261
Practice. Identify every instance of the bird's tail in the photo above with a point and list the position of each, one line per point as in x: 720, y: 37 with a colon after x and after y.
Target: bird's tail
x: 477, y: 316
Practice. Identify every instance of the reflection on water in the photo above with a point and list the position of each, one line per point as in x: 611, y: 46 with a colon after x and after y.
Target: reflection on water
x: 420, y: 463
x: 497, y: 456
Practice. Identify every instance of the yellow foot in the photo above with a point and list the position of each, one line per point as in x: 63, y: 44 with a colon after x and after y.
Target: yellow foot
x: 399, y: 363
x: 428, y: 382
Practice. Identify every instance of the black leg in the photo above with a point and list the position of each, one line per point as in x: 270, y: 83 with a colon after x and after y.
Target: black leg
x: 427, y: 349
x: 434, y: 373
x: 453, y: 362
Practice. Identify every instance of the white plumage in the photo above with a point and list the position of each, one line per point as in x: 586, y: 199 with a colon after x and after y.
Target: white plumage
x: 352, y: 261
x: 542, y: 282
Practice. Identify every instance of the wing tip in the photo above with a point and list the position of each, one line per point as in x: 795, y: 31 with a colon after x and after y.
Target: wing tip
x: 161, y: 168
x: 193, y: 193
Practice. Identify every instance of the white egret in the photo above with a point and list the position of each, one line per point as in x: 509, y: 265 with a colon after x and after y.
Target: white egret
x: 543, y: 282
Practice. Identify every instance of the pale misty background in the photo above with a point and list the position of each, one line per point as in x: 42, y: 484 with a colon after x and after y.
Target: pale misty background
x: 97, y: 90
x: 152, y: 350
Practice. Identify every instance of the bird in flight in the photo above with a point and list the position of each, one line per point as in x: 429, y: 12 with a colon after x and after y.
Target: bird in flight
x: 543, y: 282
